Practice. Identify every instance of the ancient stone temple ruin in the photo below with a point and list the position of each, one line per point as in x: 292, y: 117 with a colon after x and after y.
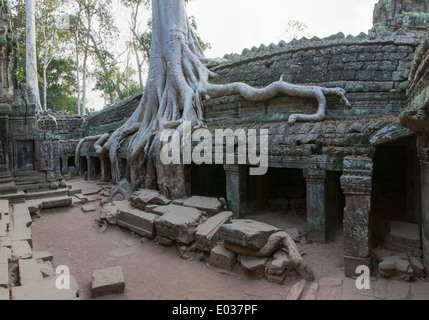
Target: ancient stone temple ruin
x: 364, y: 169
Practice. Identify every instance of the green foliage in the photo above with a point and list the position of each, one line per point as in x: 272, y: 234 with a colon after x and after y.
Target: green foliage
x: 19, y: 73
x: 61, y: 89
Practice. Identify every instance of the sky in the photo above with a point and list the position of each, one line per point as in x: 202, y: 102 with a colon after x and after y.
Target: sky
x: 232, y: 25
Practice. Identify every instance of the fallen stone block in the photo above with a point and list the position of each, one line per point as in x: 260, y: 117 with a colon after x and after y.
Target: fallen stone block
x: 179, y: 202
x: 403, y: 234
x: 43, y: 256
x: 279, y: 279
x: 150, y: 207
x: 177, y: 223
x: 143, y: 197
x: 107, y: 281
x: 59, y: 202
x: 312, y: 292
x: 418, y: 268
x: 4, y: 294
x: 29, y: 271
x: 141, y: 222
x: 395, y: 266
x: 73, y: 192
x: 81, y: 197
x: 222, y: 258
x: 110, y: 212
x: 280, y: 263
x: 294, y: 233
x: 247, y: 233
x: 21, y: 216
x: 89, y: 208
x: 164, y: 241
x: 211, y: 206
x: 4, y: 276
x: 206, y: 236
x: 47, y: 269
x: 46, y: 289
x: 296, y: 291
x: 253, y: 267
x: 21, y: 250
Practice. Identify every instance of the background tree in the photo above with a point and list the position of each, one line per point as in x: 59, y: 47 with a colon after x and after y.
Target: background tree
x: 295, y: 30
x: 31, y: 54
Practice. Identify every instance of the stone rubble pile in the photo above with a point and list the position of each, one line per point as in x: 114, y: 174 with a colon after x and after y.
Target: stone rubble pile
x: 400, y: 257
x: 201, y: 224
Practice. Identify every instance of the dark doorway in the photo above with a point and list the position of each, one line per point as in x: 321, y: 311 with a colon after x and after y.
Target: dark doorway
x: 25, y: 154
x: 208, y: 180
x: 279, y: 187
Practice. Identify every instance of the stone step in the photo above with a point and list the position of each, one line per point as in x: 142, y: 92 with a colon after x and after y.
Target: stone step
x: 47, y: 194
x: 14, y: 197
x: 7, y: 188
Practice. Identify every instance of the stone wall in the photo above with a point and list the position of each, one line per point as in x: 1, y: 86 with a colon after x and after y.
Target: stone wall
x: 65, y: 125
x: 112, y: 117
x: 400, y: 15
x: 373, y: 72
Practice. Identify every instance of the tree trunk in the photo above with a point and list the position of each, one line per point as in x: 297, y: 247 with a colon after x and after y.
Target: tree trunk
x: 84, y: 66
x: 177, y: 83
x: 31, y: 58
x: 77, y: 73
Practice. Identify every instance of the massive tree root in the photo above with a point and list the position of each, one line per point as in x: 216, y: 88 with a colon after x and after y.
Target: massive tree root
x: 178, y: 82
x: 275, y: 242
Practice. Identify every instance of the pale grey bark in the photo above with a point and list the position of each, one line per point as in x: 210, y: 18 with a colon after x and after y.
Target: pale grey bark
x: 78, y: 73
x: 178, y: 82
x: 31, y: 58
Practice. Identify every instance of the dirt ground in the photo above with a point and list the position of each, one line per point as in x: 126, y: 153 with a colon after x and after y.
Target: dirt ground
x: 155, y: 272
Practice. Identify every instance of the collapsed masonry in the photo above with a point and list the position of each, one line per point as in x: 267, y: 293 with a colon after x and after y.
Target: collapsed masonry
x: 201, y: 224
x: 357, y: 169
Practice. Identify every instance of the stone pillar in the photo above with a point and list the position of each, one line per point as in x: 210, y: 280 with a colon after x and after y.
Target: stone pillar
x: 356, y: 183
x: 423, y: 151
x: 316, y: 204
x: 103, y: 170
x: 89, y: 168
x: 4, y: 134
x: 236, y: 176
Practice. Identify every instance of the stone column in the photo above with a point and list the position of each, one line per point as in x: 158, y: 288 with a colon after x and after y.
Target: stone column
x: 236, y: 176
x: 89, y: 167
x: 4, y: 134
x: 103, y: 170
x: 316, y: 204
x: 356, y: 183
x: 423, y: 151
